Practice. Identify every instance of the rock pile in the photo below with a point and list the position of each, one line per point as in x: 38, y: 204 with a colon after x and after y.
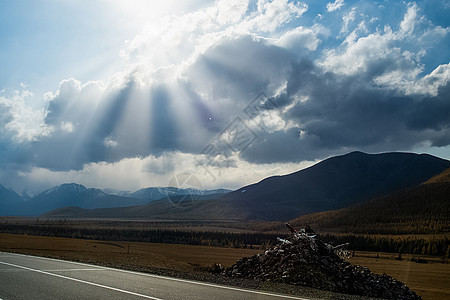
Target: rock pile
x: 303, y: 259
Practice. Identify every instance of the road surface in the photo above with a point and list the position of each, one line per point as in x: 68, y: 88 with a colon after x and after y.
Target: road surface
x: 32, y: 277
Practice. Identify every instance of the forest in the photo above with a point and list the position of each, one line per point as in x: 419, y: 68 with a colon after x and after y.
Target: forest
x: 435, y: 245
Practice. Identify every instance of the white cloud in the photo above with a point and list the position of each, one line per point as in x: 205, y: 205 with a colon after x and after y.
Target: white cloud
x: 359, y: 54
x: 347, y: 18
x: 429, y: 84
x: 409, y: 21
x: 335, y: 5
x: 26, y: 122
x: 109, y: 142
x: 299, y: 38
x: 231, y: 11
x: 387, y: 58
x: 272, y: 14
x: 73, y: 104
x: 178, y: 40
x: 67, y: 126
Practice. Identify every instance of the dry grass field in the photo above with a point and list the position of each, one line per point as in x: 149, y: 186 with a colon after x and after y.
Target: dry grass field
x: 430, y: 280
x: 138, y: 256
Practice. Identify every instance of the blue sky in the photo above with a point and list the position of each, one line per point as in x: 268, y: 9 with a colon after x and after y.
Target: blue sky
x: 128, y: 94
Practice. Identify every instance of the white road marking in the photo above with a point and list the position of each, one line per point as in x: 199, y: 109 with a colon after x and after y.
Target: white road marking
x: 64, y: 270
x: 170, y: 278
x: 212, y: 285
x: 82, y: 281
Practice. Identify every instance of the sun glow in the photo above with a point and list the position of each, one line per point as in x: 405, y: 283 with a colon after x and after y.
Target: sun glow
x: 137, y: 13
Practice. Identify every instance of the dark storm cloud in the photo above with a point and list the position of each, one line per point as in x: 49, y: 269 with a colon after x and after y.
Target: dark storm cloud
x: 348, y: 112
x: 239, y: 69
x: 432, y: 112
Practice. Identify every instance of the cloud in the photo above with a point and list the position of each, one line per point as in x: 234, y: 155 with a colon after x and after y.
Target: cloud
x: 20, y: 119
x: 408, y: 24
x: 67, y: 126
x: 388, y: 58
x: 273, y: 14
x: 430, y: 83
x: 231, y: 11
x: 238, y: 67
x: 72, y: 105
x: 336, y: 5
x: 109, y: 142
x: 301, y: 40
x: 5, y: 115
x: 347, y: 18
x: 343, y: 113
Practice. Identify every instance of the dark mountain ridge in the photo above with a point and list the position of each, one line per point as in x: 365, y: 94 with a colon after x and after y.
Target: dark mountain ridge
x: 336, y: 182
x: 421, y: 209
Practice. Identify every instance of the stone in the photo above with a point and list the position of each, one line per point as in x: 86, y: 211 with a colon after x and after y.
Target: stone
x: 304, y: 259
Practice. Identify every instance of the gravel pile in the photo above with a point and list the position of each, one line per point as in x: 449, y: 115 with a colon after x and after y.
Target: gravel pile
x: 304, y: 260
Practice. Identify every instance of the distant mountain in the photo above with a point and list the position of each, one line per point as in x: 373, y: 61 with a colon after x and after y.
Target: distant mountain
x: 117, y: 192
x: 72, y: 194
x: 26, y: 196
x: 9, y: 200
x: 334, y: 183
x: 156, y: 193
x: 424, y: 208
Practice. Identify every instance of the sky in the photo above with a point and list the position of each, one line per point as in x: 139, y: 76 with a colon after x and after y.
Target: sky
x: 132, y: 94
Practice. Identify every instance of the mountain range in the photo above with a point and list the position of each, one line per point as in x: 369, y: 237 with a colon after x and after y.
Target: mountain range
x: 334, y: 183
x: 72, y: 194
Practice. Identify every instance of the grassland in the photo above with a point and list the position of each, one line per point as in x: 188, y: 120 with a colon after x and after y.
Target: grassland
x: 431, y: 280
x: 133, y: 255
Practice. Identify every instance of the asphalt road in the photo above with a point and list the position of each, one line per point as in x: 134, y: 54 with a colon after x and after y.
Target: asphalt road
x: 32, y: 277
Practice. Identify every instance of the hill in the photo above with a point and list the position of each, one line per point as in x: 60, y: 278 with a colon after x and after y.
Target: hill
x: 180, y: 207
x: 334, y: 183
x: 442, y: 177
x: 424, y: 208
